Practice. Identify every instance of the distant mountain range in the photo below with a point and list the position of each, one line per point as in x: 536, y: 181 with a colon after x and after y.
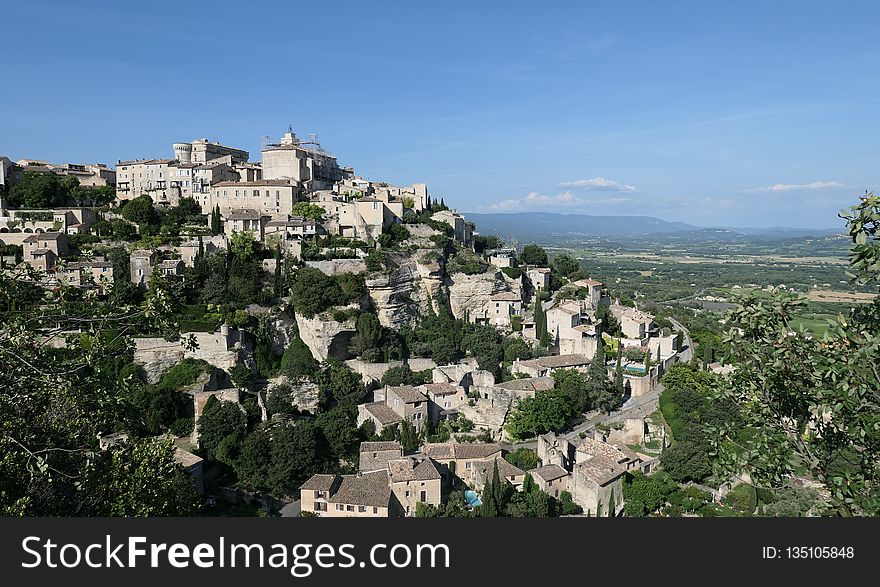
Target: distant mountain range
x: 552, y: 227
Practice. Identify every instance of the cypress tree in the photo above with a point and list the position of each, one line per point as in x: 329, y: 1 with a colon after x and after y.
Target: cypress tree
x: 618, y: 371
x: 611, y: 506
x: 201, y: 247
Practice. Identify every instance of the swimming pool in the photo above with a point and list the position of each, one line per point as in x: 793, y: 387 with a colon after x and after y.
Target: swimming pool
x: 472, y: 498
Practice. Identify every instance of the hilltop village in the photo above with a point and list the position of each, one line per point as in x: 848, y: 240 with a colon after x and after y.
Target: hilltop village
x: 341, y: 346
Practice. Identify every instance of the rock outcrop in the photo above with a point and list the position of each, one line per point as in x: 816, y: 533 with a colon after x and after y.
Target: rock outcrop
x: 470, y: 293
x: 411, y: 285
x: 326, y: 337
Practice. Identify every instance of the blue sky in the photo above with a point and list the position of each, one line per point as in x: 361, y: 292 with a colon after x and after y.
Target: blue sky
x: 735, y: 114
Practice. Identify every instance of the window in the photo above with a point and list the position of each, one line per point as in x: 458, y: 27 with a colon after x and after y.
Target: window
x: 375, y: 510
x: 338, y: 507
x: 423, y: 496
x: 406, y: 494
x: 320, y: 507
x: 362, y: 508
x: 349, y: 508
x: 319, y: 494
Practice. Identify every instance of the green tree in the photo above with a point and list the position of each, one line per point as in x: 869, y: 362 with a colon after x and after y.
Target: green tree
x: 219, y: 420
x: 140, y: 477
x: 297, y: 361
x: 140, y: 210
x: 533, y: 255
x: 216, y: 226
x: 308, y: 210
x: 546, y: 412
x: 524, y: 458
x: 564, y: 265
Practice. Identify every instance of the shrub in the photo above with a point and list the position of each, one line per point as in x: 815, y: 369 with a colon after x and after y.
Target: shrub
x: 512, y: 272
x: 742, y: 498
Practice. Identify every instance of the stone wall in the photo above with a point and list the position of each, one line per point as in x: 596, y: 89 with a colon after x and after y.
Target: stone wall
x: 338, y: 266
x: 371, y: 372
x: 220, y: 349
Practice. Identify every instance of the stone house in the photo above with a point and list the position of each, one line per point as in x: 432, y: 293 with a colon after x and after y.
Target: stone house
x: 96, y: 275
x: 482, y: 472
x: 41, y: 250
x: 462, y: 230
x: 445, y: 399
x: 374, y: 456
x: 594, y: 291
x: 596, y: 470
x: 551, y: 479
x: 245, y: 220
x: 634, y: 323
x: 363, y: 495
x: 315, y: 493
x: 545, y: 366
x: 190, y: 249
x: 539, y: 277
x: 171, y: 267
x: 458, y: 461
x: 502, y: 306
x: 393, y: 405
x: 415, y: 479
x: 142, y: 262
x: 502, y: 257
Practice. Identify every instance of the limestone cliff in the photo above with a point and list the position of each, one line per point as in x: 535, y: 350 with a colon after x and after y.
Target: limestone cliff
x: 403, y: 293
x: 470, y: 293
x: 326, y: 337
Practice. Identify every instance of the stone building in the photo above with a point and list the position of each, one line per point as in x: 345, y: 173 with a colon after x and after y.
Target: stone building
x: 273, y: 197
x: 545, y: 366
x: 458, y: 462
x: 196, y: 167
x: 303, y: 162
x: 415, y: 479
x: 539, y: 277
x: 393, y: 405
x: 595, y: 469
x: 245, y: 220
x: 463, y: 231
x: 42, y: 250
x: 142, y: 262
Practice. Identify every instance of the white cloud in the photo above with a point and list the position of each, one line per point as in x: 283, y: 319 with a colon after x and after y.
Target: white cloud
x: 599, y: 183
x: 538, y: 201
x: 791, y: 187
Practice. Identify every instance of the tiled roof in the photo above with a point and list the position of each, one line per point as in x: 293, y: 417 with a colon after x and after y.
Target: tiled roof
x: 408, y: 393
x: 528, y: 384
x: 382, y: 413
x: 450, y: 450
x: 412, y: 469
x: 319, y: 482
x: 380, y: 445
x: 587, y: 283
x: 549, y: 472
x: 505, y: 469
x: 367, y: 489
x: 557, y: 362
x: 603, y: 462
x: 439, y: 388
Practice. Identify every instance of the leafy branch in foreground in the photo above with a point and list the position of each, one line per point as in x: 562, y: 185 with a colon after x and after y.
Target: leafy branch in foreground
x: 62, y: 360
x: 812, y: 406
